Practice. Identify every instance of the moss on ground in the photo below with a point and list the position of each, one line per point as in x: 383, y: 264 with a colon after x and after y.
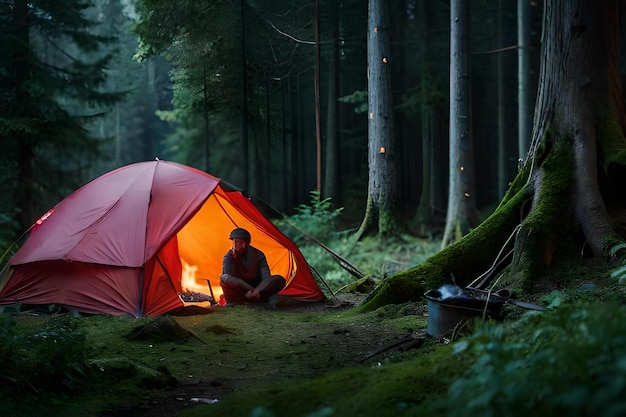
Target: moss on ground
x: 377, y: 389
x: 300, y: 359
x: 297, y: 361
x: 232, y: 350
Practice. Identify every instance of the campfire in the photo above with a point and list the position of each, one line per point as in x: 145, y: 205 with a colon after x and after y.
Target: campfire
x: 197, y: 289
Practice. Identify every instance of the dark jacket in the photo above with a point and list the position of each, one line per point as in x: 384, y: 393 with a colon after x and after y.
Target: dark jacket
x: 250, y: 266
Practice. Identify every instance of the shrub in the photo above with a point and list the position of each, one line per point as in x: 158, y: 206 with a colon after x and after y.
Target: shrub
x: 573, y: 363
x: 51, y: 360
x: 316, y: 220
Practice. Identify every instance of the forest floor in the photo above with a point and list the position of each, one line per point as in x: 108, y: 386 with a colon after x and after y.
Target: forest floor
x: 247, y: 347
x: 192, y: 363
x: 292, y: 359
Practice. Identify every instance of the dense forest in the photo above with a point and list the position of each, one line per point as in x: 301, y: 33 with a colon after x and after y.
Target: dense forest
x: 272, y: 97
x: 493, y: 129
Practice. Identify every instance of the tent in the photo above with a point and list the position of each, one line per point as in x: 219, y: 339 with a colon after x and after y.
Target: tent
x: 135, y: 239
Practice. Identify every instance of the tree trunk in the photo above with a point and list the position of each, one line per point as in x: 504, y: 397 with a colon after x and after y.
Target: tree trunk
x: 422, y: 218
x: 284, y: 162
x: 461, y: 214
x: 205, y: 115
x: 118, y: 136
x: 524, y: 111
x: 502, y: 161
x: 567, y: 200
x: 267, y: 162
x: 245, y: 163
x: 301, y: 146
x: 318, y: 115
x: 381, y: 201
x: 330, y: 171
x: 580, y: 113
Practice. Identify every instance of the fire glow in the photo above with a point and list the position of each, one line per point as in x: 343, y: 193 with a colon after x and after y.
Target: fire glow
x: 190, y: 282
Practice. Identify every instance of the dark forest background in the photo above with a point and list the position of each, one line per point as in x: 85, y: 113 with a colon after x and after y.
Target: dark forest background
x: 228, y: 86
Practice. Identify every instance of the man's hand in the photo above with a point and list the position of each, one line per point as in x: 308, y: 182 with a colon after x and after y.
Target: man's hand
x: 253, y: 295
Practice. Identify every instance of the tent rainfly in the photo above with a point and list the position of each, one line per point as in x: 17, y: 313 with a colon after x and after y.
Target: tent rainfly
x: 135, y: 239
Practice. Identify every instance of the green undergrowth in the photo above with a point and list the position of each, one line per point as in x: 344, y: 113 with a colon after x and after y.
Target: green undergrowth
x: 125, y: 362
x: 261, y: 362
x: 571, y: 361
x: 334, y: 254
x: 59, y: 364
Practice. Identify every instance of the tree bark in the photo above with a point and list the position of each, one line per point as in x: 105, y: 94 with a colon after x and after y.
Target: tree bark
x: 244, y: 102
x: 422, y: 218
x: 318, y: 116
x: 567, y: 200
x: 502, y: 162
x: 332, y: 135
x: 461, y: 213
x: 381, y: 201
x: 524, y: 112
x: 581, y: 101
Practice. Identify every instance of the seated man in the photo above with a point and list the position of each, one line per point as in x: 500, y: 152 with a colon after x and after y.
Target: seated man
x: 245, y: 272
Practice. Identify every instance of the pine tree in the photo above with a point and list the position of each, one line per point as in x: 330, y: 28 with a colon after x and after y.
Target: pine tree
x: 51, y: 75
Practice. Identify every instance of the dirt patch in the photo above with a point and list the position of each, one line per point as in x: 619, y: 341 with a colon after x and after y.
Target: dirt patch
x: 248, y: 346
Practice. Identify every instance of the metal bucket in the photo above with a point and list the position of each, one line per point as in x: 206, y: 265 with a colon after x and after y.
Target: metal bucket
x: 450, y: 305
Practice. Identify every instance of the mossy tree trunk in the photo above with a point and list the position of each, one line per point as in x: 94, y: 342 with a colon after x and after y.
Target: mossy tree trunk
x: 568, y: 200
x: 577, y: 148
x: 380, y: 212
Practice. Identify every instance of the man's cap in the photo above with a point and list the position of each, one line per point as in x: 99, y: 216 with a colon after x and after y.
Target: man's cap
x: 240, y: 233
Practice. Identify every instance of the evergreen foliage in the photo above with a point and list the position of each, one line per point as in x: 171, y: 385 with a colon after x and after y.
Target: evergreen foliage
x: 79, y: 57
x: 320, y: 222
x: 129, y: 131
x: 200, y: 41
x: 204, y: 45
x: 52, y: 70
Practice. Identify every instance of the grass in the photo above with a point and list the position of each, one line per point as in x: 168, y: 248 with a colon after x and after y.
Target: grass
x: 232, y: 350
x: 275, y: 363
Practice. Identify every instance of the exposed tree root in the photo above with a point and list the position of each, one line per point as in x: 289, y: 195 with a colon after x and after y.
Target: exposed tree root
x: 464, y: 260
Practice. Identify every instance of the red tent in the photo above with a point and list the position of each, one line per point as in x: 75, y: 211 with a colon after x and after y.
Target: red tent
x: 135, y: 239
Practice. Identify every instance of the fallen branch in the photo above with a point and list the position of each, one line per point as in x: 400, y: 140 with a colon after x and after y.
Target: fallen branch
x: 416, y: 338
